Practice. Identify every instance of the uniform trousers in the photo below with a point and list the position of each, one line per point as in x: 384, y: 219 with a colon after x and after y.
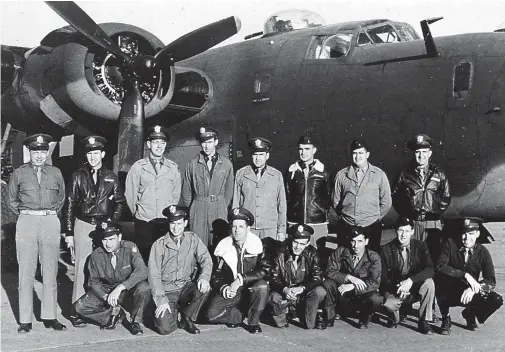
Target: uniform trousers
x: 37, y: 238
x: 146, y: 233
x: 83, y: 248
x: 305, y: 306
x: 252, y: 298
x: 320, y: 230
x: 482, y: 307
x: 188, y: 301
x: 349, y: 302
x: 96, y: 309
x: 373, y: 231
x: 422, y: 291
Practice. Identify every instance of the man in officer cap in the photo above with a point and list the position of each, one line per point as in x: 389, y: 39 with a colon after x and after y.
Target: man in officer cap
x: 93, y: 195
x: 207, y: 187
x: 361, y: 196
x: 260, y: 188
x: 117, y: 275
x: 239, y: 277
x: 37, y: 194
x: 407, y: 272
x: 152, y: 184
x: 296, y: 280
x: 179, y: 272
x: 461, y: 263
x: 308, y: 190
x: 352, y: 280
x: 422, y: 192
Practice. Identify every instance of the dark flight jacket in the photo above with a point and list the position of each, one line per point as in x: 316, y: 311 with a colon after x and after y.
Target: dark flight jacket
x: 420, y: 201
x: 308, y: 200
x: 308, y: 273
x: 84, y: 201
x: 420, y: 264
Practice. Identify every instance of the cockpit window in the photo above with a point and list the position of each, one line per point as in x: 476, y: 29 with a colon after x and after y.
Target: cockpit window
x: 363, y: 39
x: 334, y: 46
x: 383, y: 34
x: 407, y: 32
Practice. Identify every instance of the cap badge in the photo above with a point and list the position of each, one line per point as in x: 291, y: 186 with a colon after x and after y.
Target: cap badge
x: 467, y: 222
x: 104, y: 225
x: 419, y: 139
x: 40, y: 139
x: 300, y: 228
x: 236, y: 211
x: 202, y: 129
x: 157, y: 129
x: 257, y: 143
x: 172, y: 209
x: 91, y: 140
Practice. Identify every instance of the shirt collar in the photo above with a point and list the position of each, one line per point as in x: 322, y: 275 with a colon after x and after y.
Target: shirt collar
x: 154, y: 161
x: 365, y: 169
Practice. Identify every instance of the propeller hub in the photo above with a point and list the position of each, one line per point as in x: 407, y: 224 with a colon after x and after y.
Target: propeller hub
x: 144, y: 66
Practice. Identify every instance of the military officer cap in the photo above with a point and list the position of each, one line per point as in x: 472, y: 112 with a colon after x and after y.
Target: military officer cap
x: 157, y: 132
x: 107, y: 228
x: 469, y: 224
x: 358, y: 144
x: 300, y: 231
x: 356, y: 231
x: 38, y: 141
x: 259, y: 144
x: 241, y: 214
x: 175, y: 212
x: 404, y: 221
x: 421, y: 141
x: 306, y: 140
x: 94, y: 143
x: 206, y: 133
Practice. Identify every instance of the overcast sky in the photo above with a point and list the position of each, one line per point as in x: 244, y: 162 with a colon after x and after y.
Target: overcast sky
x: 25, y: 23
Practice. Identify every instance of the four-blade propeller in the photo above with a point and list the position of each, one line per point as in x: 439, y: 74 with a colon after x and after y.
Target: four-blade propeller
x: 140, y: 67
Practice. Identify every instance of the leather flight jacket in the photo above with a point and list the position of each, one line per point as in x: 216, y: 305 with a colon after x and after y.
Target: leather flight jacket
x: 309, y: 269
x: 91, y: 203
x: 421, y: 201
x: 308, y: 200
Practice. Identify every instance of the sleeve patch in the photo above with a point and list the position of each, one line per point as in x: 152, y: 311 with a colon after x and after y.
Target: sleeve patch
x: 134, y: 249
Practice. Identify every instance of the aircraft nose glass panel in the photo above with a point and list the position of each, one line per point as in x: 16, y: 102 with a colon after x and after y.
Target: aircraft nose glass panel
x: 108, y: 75
x: 285, y: 21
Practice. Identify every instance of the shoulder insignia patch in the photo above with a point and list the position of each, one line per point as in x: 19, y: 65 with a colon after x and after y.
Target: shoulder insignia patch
x: 134, y: 249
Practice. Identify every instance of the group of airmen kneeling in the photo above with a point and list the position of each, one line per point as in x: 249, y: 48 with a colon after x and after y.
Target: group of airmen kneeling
x: 257, y: 268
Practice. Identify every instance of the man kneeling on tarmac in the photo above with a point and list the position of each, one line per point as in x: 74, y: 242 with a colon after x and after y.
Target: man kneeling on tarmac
x: 297, y: 281
x: 117, y: 275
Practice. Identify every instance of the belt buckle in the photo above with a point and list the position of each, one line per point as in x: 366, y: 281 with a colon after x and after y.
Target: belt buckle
x: 212, y: 198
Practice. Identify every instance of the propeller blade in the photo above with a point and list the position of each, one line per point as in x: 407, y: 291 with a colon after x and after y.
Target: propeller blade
x: 199, y: 40
x: 131, y: 127
x: 77, y: 18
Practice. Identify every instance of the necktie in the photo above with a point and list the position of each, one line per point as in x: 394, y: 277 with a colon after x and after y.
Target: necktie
x: 405, y: 257
x: 157, y: 166
x: 355, y: 261
x: 360, y: 175
x: 209, y: 164
x: 306, y: 171
x: 295, y: 263
x: 94, y: 175
x: 39, y: 173
x: 421, y: 173
x: 468, y: 254
x: 178, y: 243
x: 258, y: 174
x: 113, y: 260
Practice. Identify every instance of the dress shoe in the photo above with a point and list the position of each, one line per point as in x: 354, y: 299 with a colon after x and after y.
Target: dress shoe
x: 320, y: 323
x: 113, y: 320
x: 188, y: 325
x: 254, y: 329
x: 391, y: 324
x: 54, y: 324
x: 25, y: 327
x: 77, y: 322
x: 232, y: 326
x: 446, y: 326
x: 364, y: 321
x: 425, y: 328
x: 471, y: 324
x: 136, y: 329
x: 435, y: 319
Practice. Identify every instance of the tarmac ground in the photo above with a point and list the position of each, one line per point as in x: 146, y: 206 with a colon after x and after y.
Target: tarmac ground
x: 344, y: 336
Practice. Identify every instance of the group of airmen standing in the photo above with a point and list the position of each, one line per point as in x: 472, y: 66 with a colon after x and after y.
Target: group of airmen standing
x: 266, y: 265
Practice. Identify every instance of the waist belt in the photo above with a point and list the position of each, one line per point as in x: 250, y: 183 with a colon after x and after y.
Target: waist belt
x: 38, y: 212
x: 93, y: 220
x: 211, y: 198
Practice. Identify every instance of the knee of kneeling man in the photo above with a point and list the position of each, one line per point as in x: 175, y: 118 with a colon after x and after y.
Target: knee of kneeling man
x: 319, y: 291
x: 429, y: 284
